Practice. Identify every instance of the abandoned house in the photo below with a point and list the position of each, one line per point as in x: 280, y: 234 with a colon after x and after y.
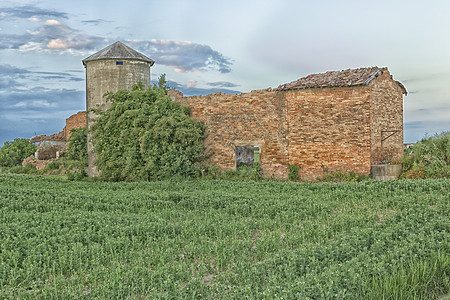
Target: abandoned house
x: 339, y: 120
x: 348, y: 120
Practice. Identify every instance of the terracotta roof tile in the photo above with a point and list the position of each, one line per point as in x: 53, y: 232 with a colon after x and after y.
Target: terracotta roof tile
x: 349, y: 77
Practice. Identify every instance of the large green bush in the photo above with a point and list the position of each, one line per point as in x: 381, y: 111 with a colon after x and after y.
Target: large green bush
x: 146, y: 136
x: 13, y: 153
x: 429, y: 158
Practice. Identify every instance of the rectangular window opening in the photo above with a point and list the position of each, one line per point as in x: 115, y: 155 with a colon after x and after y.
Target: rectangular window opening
x: 119, y: 62
x: 247, y: 156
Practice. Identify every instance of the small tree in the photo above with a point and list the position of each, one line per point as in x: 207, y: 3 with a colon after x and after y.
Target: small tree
x: 13, y: 153
x: 145, y: 135
x: 162, y: 83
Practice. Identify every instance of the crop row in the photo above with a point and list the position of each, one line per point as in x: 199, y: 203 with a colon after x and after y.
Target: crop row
x: 219, y: 239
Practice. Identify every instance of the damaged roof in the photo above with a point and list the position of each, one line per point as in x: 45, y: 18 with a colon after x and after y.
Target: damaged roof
x: 118, y: 50
x: 349, y: 77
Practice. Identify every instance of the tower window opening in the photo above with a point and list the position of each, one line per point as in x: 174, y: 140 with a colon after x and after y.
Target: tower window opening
x: 119, y: 62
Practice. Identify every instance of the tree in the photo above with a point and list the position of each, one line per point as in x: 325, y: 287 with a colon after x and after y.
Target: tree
x: 13, y: 153
x: 162, y: 83
x: 145, y: 135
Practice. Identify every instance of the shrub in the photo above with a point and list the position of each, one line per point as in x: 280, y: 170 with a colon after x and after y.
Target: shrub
x: 293, y: 172
x: 13, y: 153
x: 242, y: 173
x: 28, y: 169
x: 77, y: 175
x: 429, y: 158
x: 77, y: 147
x: 146, y: 136
x: 342, y: 176
x: 54, y: 165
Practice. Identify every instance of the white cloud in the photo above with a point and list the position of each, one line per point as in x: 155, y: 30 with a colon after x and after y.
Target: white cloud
x: 58, y: 44
x: 34, y: 104
x: 52, y: 23
x: 191, y: 83
x: 31, y: 46
x: 184, y: 56
x: 51, y: 35
x: 20, y: 104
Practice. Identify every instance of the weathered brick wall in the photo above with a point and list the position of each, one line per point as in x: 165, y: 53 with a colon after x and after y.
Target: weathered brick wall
x: 329, y: 130
x: 317, y: 128
x: 76, y: 121
x: 256, y: 118
x: 386, y: 118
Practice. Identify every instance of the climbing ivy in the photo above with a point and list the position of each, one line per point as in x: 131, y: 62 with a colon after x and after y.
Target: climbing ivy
x: 77, y: 148
x: 145, y: 135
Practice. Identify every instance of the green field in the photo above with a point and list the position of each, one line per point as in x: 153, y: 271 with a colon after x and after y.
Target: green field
x: 223, y: 239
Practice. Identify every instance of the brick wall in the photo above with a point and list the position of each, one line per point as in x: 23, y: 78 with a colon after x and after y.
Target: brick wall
x: 250, y: 119
x: 329, y: 130
x: 77, y: 120
x: 386, y: 118
x: 318, y: 128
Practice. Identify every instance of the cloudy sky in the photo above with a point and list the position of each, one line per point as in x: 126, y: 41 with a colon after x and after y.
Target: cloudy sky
x: 228, y: 46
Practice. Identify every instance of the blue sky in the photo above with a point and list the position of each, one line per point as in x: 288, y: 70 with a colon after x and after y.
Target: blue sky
x: 228, y: 46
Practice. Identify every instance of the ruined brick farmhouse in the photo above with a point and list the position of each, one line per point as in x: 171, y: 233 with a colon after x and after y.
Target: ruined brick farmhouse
x: 339, y: 120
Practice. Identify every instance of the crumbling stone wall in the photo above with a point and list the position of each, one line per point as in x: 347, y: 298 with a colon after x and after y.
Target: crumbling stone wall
x: 51, y: 146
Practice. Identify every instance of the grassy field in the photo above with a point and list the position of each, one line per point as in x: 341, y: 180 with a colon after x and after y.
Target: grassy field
x: 223, y: 239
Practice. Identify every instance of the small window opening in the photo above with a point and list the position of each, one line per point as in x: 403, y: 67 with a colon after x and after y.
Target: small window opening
x: 247, y: 156
x: 119, y: 62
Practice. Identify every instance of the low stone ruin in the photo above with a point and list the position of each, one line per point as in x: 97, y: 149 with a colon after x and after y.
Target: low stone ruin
x: 45, y: 151
x: 53, y: 146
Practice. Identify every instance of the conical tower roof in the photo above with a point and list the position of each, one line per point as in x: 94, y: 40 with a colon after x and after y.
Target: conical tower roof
x: 118, y: 50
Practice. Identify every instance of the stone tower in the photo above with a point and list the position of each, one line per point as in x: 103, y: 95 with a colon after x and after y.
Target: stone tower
x: 116, y: 67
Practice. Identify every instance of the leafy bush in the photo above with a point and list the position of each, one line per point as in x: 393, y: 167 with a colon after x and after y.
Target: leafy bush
x: 77, y: 148
x: 429, y: 158
x: 77, y: 175
x: 28, y: 169
x: 54, y: 165
x: 293, y: 172
x: 242, y: 173
x: 342, y: 176
x: 13, y: 153
x: 146, y: 136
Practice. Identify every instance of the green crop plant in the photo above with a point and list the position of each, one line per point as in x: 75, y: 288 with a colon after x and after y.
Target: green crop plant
x: 222, y: 239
